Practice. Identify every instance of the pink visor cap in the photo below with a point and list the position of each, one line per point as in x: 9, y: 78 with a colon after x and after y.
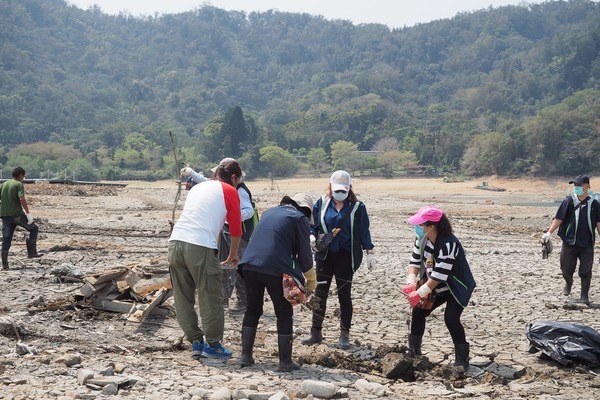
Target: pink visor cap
x: 425, y: 214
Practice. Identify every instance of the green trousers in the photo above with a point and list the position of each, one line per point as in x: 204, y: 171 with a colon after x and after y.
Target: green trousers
x: 196, y: 268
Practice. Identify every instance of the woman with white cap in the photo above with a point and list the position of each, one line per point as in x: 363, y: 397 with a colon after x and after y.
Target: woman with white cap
x: 438, y: 262
x: 340, y: 212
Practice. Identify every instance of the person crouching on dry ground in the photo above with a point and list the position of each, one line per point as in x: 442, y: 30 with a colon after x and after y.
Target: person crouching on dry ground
x: 576, y: 218
x: 280, y: 245
x: 193, y: 261
x: 14, y: 211
x: 438, y: 262
x: 339, y: 211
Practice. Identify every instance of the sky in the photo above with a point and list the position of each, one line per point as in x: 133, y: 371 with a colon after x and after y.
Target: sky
x: 394, y: 13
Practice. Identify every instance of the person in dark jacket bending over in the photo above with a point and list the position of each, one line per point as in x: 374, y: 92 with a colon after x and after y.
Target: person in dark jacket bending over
x: 439, y: 257
x: 576, y: 219
x: 280, y: 245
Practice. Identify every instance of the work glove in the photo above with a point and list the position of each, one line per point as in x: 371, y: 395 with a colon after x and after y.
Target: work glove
x: 313, y: 242
x: 186, y: 171
x: 311, y: 279
x: 546, y: 237
x: 29, y: 218
x: 414, y: 298
x: 371, y: 262
x: 409, y: 288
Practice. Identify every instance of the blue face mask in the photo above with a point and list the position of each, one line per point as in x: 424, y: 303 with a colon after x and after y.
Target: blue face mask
x: 341, y: 196
x: 419, y: 231
x: 578, y: 190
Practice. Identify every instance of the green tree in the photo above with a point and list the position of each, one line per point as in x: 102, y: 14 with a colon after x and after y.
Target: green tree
x: 317, y: 160
x: 278, y: 161
x: 345, y: 155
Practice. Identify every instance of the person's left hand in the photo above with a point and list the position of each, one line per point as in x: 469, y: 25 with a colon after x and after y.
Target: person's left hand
x: 414, y: 298
x: 371, y: 262
x: 232, y: 261
x: 29, y: 218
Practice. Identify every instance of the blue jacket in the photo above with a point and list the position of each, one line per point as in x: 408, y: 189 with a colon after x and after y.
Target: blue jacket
x: 280, y: 244
x: 355, y: 234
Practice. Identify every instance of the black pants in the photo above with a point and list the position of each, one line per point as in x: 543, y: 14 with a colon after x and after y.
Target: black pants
x: 451, y: 318
x: 9, y: 224
x: 256, y: 283
x: 568, y: 261
x: 338, y: 265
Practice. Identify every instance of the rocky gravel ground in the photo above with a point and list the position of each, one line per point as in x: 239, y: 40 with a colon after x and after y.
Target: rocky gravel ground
x: 70, y: 352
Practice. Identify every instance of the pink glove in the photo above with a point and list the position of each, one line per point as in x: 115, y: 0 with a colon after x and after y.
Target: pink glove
x: 408, y: 288
x: 414, y: 298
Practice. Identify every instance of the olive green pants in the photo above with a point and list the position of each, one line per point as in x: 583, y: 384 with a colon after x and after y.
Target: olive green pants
x: 196, y: 268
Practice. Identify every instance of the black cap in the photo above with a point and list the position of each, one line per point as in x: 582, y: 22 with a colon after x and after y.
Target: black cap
x: 580, y: 180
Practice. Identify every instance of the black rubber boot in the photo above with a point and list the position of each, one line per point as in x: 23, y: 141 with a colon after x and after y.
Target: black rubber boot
x: 5, y: 260
x: 585, y: 290
x: 315, y: 337
x: 568, y: 286
x: 344, y: 342
x: 414, y: 345
x: 248, y: 337
x: 285, y: 353
x: 32, y: 249
x: 462, y: 355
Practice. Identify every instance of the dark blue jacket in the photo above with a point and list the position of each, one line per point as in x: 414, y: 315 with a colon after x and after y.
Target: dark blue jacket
x: 355, y: 234
x: 280, y: 244
x: 460, y: 279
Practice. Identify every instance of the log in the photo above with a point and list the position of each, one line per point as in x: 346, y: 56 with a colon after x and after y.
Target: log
x: 145, y: 309
x: 106, y: 276
x: 145, y: 286
x: 122, y: 307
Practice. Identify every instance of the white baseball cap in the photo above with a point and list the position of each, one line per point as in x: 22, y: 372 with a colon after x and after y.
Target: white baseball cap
x: 340, y: 180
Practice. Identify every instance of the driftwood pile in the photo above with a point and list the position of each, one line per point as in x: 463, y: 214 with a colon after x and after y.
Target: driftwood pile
x: 130, y: 290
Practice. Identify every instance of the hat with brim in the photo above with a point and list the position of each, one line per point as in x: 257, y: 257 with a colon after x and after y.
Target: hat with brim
x: 580, y: 180
x: 303, y: 200
x: 426, y: 214
x: 340, y: 180
x: 224, y: 161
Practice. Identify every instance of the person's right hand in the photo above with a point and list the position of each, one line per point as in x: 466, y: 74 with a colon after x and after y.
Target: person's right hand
x: 409, y: 288
x: 185, y: 171
x: 29, y: 218
x: 546, y: 236
x: 311, y: 279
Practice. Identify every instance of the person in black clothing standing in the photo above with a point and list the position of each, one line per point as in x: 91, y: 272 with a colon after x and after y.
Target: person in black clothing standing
x: 280, y: 245
x: 576, y: 219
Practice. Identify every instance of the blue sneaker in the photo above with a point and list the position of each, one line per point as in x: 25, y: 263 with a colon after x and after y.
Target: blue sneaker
x: 197, y: 347
x: 216, y: 351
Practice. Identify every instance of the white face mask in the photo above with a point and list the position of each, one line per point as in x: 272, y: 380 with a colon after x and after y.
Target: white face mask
x: 340, y: 196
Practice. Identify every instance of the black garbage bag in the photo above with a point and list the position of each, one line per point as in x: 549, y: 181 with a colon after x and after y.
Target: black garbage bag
x: 565, y: 342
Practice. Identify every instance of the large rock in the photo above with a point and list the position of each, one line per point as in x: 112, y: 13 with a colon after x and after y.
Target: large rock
x: 220, y: 394
x: 324, y: 390
x: 398, y: 366
x: 367, y: 387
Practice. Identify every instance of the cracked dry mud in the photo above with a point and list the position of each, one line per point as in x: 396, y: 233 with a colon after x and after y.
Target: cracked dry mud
x: 100, y: 228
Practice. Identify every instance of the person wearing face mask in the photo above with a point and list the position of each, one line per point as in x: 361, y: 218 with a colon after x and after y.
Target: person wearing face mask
x: 577, y: 220
x: 193, y: 262
x: 339, y: 211
x: 438, y: 258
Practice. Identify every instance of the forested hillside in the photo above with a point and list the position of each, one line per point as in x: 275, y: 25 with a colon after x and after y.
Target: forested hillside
x: 513, y: 90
